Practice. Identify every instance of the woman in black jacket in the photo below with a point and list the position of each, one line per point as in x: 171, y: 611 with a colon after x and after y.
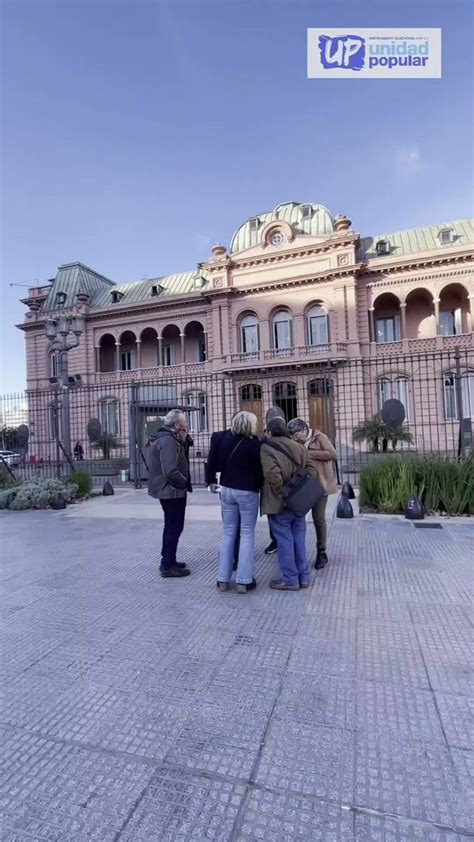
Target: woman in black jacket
x: 235, y: 453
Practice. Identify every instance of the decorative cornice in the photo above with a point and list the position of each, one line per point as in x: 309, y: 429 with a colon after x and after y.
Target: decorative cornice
x: 286, y: 283
x: 414, y: 264
x: 422, y: 276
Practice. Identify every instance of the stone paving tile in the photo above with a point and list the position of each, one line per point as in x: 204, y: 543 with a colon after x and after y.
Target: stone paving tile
x: 249, y: 652
x: 385, y: 829
x: 143, y: 726
x: 464, y: 765
x: 448, y: 656
x: 277, y: 817
x: 250, y: 690
x: 317, y: 700
x: 457, y: 717
x: 327, y: 657
x: 54, y: 791
x: 389, y: 652
x: 438, y: 614
x: 80, y: 713
x: 221, y: 742
x: 22, y: 697
x: 178, y: 806
x: 406, y: 712
x: 309, y: 759
x: 408, y: 779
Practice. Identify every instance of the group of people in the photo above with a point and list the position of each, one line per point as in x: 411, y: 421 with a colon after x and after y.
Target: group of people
x: 254, y: 472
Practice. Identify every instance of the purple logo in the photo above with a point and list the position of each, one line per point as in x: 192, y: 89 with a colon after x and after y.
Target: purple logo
x: 344, y: 51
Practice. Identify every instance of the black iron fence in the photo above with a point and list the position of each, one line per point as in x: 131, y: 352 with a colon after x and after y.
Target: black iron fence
x: 343, y: 399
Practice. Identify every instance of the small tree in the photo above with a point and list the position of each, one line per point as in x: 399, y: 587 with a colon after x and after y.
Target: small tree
x: 376, y: 432
x: 106, y: 443
x: 371, y: 431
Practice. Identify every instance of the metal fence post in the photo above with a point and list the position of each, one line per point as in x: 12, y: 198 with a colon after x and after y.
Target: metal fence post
x: 457, y: 358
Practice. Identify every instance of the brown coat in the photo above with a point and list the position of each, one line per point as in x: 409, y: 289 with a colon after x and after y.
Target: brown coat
x: 277, y: 470
x: 321, y: 455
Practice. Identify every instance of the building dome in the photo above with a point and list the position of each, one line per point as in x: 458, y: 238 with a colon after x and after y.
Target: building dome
x: 304, y: 219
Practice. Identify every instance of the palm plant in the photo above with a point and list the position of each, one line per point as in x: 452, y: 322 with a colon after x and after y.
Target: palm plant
x: 376, y: 432
x: 106, y: 443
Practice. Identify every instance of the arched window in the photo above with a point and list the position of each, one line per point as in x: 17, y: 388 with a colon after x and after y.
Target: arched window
x: 251, y: 392
x: 397, y: 387
x: 282, y: 330
x: 249, y: 338
x: 196, y: 411
x: 54, y: 364
x: 109, y: 416
x: 451, y: 409
x: 318, y: 326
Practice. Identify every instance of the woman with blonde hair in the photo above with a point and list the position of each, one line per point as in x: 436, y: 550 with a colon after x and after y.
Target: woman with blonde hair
x: 236, y: 455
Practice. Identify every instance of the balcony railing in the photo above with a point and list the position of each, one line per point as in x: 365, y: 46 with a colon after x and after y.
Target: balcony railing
x: 163, y: 371
x: 332, y: 350
x: 427, y: 344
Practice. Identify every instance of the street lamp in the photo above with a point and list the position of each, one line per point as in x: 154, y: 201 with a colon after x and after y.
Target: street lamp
x: 64, y: 334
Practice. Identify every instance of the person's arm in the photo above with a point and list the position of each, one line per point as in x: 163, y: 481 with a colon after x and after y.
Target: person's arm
x: 212, y: 464
x: 322, y: 450
x: 271, y: 469
x: 168, y: 450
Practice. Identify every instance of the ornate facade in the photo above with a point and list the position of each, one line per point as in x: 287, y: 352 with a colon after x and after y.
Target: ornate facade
x: 298, y: 291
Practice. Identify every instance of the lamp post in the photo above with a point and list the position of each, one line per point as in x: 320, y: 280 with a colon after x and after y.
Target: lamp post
x: 64, y: 334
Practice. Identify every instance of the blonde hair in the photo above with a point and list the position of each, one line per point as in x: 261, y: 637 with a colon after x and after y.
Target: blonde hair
x: 244, y: 424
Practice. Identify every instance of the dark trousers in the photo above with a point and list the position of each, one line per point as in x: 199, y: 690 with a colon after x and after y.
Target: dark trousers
x: 174, y: 511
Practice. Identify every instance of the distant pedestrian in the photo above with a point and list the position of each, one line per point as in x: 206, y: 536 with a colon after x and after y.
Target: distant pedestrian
x: 322, y: 456
x: 238, y: 461
x: 169, y: 482
x: 78, y: 452
x: 278, y: 463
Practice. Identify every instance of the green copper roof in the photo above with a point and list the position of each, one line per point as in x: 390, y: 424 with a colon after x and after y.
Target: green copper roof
x: 416, y: 240
x: 318, y: 223
x: 182, y: 284
x: 71, y: 279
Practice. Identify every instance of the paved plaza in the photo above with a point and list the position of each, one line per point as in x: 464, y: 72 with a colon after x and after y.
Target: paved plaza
x: 137, y: 709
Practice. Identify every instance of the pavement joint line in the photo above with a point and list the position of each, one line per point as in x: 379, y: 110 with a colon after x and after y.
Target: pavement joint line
x: 251, y: 786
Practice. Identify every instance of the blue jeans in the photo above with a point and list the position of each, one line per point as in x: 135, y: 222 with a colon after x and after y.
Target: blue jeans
x: 290, y: 535
x: 238, y: 506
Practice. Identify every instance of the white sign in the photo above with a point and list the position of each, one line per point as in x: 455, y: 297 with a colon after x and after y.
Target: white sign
x: 374, y: 53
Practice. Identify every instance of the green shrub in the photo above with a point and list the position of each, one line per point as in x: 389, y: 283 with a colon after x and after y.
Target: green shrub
x: 38, y: 494
x: 6, y: 479
x: 6, y: 498
x: 83, y: 481
x: 442, y: 484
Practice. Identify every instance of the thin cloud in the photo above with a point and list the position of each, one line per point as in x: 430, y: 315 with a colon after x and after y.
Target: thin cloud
x: 409, y: 160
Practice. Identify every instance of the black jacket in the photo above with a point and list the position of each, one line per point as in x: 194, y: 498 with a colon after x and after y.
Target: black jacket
x: 168, y: 468
x: 243, y: 470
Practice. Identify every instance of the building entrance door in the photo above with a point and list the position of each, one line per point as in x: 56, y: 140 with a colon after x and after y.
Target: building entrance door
x: 251, y: 401
x: 321, y: 406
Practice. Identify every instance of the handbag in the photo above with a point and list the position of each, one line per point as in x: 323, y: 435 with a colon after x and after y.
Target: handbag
x: 302, y: 491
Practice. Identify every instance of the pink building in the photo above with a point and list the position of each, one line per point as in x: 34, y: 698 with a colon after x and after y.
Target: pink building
x: 300, y: 311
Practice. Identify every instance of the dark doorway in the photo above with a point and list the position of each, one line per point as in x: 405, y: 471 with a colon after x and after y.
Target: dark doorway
x: 284, y: 396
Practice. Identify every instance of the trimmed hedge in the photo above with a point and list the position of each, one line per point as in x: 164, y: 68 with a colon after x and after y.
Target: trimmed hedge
x: 443, y: 485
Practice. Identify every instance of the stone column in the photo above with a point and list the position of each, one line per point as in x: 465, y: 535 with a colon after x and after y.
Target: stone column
x: 436, y: 309
x: 97, y: 357
x: 182, y: 337
x: 470, y: 312
x: 160, y: 352
x: 403, y: 320
x: 206, y: 345
x: 117, y: 356
x: 373, y: 335
x: 139, y: 353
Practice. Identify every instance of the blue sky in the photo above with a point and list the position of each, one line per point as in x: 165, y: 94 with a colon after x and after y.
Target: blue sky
x: 137, y: 134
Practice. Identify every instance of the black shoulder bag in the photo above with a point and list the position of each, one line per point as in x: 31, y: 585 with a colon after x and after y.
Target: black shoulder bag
x: 302, y: 491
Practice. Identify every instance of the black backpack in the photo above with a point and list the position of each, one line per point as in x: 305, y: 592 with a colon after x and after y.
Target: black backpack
x: 302, y: 491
